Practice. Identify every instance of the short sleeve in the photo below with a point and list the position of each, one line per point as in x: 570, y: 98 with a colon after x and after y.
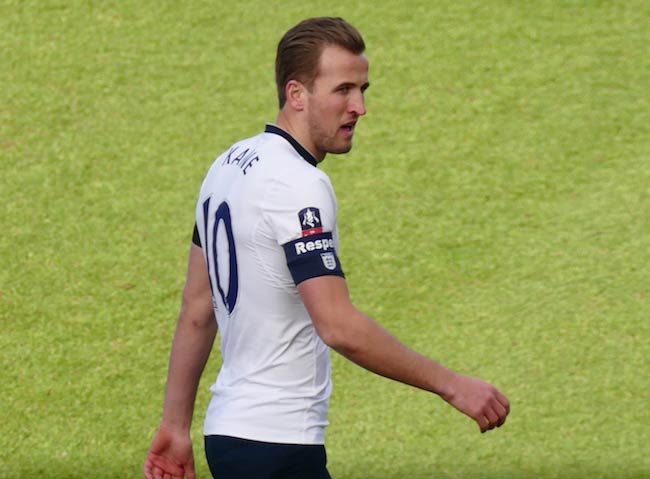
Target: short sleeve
x: 303, y: 217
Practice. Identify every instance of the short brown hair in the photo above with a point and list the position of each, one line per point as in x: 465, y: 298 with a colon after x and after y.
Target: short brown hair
x: 300, y: 49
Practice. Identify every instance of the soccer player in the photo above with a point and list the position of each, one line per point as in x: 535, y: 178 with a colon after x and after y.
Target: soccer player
x: 264, y: 264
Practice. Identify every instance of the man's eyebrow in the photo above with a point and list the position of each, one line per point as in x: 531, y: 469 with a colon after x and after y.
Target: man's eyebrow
x: 352, y: 84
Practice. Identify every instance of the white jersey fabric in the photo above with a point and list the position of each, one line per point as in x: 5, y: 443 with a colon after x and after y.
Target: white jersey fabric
x: 266, y: 218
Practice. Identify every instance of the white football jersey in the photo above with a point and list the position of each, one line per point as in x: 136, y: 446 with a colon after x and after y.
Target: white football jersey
x: 266, y: 218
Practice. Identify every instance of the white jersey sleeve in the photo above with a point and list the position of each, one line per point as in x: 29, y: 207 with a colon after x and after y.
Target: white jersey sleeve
x: 304, y: 223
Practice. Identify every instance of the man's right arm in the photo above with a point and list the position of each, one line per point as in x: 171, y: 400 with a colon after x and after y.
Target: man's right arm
x: 360, y: 339
x: 171, y: 448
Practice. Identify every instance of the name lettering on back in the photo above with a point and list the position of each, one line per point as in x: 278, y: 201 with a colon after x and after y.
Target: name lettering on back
x: 244, y: 159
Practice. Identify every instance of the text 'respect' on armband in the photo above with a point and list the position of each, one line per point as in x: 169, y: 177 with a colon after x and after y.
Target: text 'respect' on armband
x: 312, y: 256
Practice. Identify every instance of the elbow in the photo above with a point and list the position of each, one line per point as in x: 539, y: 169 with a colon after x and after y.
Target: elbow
x: 334, y: 339
x: 197, y: 314
x: 341, y: 336
x: 347, y: 346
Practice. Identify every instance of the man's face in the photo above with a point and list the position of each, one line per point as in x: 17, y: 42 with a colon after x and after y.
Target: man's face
x: 335, y: 102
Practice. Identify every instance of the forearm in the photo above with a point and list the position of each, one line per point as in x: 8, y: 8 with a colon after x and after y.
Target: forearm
x: 190, y: 351
x: 369, y: 345
x: 360, y: 339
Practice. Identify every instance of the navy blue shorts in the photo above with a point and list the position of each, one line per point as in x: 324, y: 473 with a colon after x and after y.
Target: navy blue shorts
x: 235, y: 458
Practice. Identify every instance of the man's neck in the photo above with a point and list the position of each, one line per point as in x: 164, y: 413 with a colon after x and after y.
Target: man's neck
x: 296, y: 129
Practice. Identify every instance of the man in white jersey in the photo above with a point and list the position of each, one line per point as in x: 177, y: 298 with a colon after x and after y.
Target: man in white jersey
x: 264, y: 263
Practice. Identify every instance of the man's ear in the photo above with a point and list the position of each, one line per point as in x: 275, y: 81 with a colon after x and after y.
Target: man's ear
x: 295, y: 93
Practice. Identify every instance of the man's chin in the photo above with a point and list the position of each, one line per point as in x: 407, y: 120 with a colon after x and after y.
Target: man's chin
x: 341, y: 149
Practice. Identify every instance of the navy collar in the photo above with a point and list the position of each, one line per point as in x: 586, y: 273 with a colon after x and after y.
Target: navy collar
x: 297, y: 146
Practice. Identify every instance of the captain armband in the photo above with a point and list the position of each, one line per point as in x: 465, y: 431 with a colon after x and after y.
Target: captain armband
x: 312, y: 256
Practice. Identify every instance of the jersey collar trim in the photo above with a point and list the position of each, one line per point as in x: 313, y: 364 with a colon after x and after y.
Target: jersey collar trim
x: 297, y: 146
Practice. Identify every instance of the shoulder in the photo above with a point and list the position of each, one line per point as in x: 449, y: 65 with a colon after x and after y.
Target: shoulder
x: 301, y: 184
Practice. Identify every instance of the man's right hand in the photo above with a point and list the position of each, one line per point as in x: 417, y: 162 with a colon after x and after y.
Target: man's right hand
x: 170, y: 456
x: 479, y: 400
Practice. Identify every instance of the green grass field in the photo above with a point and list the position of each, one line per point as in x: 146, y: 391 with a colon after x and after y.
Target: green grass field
x: 494, y: 215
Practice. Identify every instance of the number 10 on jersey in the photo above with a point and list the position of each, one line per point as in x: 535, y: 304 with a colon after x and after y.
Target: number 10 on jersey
x: 222, y: 240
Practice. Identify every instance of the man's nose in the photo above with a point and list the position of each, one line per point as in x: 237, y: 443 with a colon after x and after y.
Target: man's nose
x: 358, y: 104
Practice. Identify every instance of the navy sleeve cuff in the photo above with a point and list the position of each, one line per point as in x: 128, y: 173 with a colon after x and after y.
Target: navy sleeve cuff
x: 196, y: 239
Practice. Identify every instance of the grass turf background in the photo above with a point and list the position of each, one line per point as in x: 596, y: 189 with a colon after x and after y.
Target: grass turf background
x: 494, y: 214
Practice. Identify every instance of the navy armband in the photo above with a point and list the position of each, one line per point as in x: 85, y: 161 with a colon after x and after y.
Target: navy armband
x: 312, y: 256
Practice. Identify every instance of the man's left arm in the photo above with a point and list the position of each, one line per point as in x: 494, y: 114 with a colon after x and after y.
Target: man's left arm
x: 360, y: 339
